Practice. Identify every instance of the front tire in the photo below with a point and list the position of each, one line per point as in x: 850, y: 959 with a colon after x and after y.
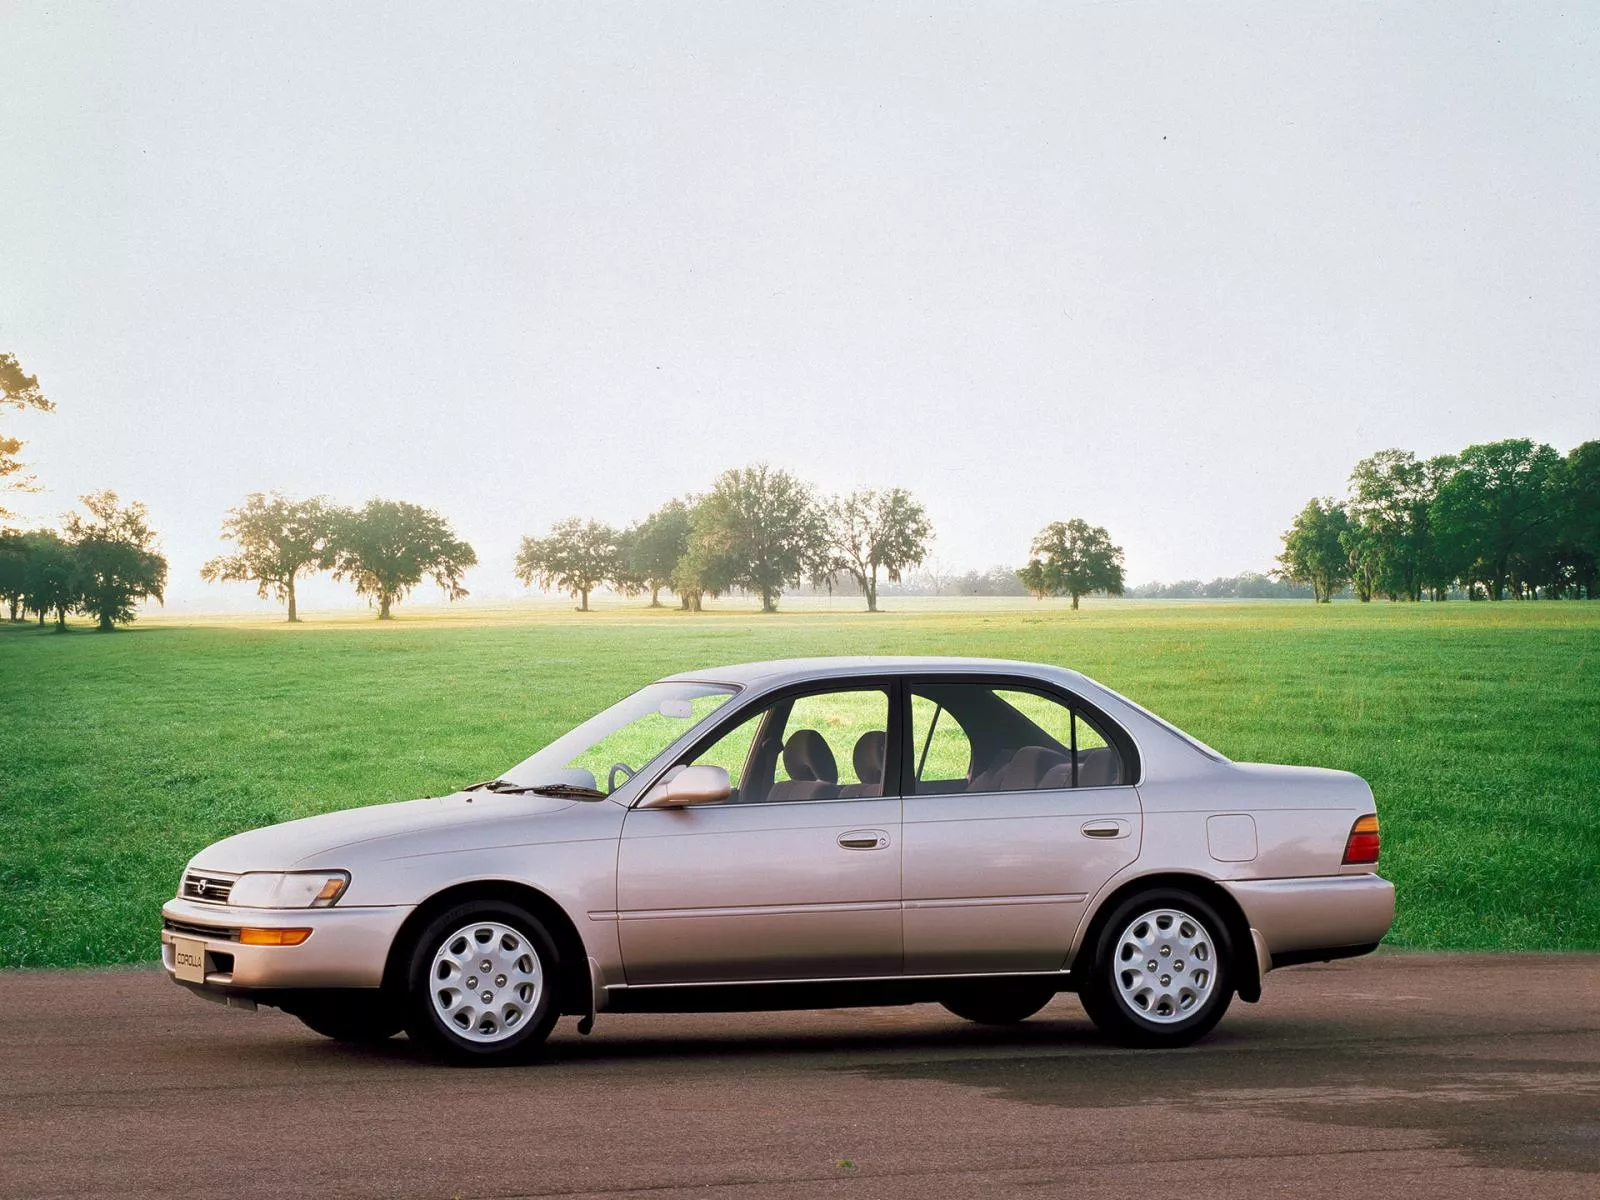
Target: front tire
x: 482, y: 984
x: 1159, y: 970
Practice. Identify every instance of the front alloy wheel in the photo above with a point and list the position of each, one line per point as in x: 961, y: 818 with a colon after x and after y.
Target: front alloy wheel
x: 1158, y: 972
x: 483, y: 984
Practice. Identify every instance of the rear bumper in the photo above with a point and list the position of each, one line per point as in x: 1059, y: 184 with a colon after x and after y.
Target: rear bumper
x: 348, y: 947
x: 1293, y: 920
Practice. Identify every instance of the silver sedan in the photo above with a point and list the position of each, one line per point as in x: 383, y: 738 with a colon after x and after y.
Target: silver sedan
x: 981, y: 834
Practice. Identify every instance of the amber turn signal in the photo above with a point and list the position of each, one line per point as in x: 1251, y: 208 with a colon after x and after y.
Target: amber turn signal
x: 1361, y: 846
x: 273, y: 937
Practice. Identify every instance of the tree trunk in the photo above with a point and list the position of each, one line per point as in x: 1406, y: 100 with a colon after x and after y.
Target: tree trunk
x: 61, y: 618
x: 105, y: 625
x: 384, y: 601
x: 583, y: 604
x: 769, y: 602
x: 699, y: 602
x: 655, y: 595
x: 41, y: 618
x: 872, y: 592
x: 293, y: 615
x: 1074, y: 601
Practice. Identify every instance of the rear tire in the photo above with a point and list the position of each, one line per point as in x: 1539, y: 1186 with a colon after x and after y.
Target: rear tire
x: 482, y: 985
x: 1159, y: 970
x: 357, y: 1016
x: 1000, y: 1002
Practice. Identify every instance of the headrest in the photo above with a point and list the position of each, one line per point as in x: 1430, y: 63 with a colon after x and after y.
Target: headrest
x: 806, y: 756
x: 868, y: 756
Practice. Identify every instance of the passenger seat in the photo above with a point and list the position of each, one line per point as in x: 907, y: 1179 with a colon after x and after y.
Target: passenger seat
x: 867, y: 758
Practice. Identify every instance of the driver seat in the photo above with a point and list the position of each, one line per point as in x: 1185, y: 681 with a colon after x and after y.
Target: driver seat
x: 813, y: 773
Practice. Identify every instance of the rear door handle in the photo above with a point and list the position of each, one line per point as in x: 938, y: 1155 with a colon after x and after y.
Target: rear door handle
x: 1105, y: 829
x: 864, y: 839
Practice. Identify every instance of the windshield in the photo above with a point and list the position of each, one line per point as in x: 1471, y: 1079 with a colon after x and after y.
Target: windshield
x: 611, y: 747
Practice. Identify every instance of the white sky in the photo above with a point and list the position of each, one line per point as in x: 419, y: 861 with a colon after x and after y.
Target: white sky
x: 1172, y: 268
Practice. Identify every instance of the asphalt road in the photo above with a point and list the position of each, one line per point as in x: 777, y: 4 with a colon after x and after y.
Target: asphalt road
x: 1397, y: 1075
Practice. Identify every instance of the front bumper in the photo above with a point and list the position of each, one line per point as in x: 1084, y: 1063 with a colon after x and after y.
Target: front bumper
x: 348, y: 947
x: 1290, y: 918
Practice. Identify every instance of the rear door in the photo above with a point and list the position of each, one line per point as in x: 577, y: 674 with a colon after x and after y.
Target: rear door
x: 1019, y: 805
x: 797, y: 876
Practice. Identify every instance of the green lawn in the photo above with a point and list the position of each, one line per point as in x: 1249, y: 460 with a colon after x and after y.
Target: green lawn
x: 1477, y: 725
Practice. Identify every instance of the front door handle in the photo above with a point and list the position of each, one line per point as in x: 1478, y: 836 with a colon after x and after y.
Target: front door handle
x: 1105, y: 829
x: 864, y: 839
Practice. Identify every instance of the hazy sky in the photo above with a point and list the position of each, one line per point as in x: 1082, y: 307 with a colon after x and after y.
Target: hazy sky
x: 1172, y: 268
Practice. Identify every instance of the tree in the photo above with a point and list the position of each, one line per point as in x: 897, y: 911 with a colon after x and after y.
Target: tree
x: 55, y: 580
x: 577, y: 557
x: 1313, y: 551
x: 1388, y: 517
x: 13, y: 572
x: 18, y: 390
x: 1496, y: 511
x: 872, y: 530
x: 1072, y: 558
x: 116, y: 553
x: 387, y: 546
x: 278, y: 539
x: 657, y: 544
x: 758, y: 529
x: 1579, y: 530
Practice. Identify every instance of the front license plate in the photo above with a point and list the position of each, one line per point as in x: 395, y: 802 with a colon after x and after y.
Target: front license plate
x: 189, y: 960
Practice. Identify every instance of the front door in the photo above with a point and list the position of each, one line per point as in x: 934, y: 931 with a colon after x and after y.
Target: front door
x: 1018, y: 809
x: 796, y: 876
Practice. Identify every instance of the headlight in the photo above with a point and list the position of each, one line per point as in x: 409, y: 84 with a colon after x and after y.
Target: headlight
x: 288, y: 889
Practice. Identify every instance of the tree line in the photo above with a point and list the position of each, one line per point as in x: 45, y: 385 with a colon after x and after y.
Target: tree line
x: 1509, y: 518
x: 758, y: 529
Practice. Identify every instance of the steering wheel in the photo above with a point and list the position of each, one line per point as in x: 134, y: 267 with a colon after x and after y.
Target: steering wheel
x: 611, y: 779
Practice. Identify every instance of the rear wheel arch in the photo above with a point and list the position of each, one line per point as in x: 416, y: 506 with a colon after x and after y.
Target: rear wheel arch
x: 1241, y: 948
x: 573, y: 997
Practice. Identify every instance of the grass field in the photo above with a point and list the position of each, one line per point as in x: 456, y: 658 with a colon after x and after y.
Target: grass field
x: 1477, y: 725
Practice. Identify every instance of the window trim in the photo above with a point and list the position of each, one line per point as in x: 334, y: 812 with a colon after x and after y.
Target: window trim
x: 1116, y: 736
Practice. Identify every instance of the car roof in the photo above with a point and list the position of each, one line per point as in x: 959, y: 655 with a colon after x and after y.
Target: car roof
x: 778, y: 672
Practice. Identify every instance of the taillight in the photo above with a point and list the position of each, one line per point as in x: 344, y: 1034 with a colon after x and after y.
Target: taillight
x: 1362, y: 844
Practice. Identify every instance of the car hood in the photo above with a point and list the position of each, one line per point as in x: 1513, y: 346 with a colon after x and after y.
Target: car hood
x: 280, y: 847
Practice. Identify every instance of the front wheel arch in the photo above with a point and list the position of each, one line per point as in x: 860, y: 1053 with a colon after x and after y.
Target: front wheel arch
x: 1242, y: 965
x: 573, y: 997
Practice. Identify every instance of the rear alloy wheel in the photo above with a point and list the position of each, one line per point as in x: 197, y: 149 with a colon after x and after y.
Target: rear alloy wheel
x: 1159, y: 971
x: 999, y: 1002
x: 483, y: 984
x: 357, y: 1015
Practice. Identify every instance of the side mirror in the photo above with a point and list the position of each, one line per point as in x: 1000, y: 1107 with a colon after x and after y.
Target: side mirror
x: 702, y: 784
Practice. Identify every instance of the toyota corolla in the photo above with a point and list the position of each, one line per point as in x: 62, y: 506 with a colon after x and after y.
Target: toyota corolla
x: 980, y: 834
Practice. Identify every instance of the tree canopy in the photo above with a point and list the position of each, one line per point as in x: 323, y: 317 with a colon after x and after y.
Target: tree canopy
x: 278, y: 539
x: 577, y: 557
x: 387, y: 547
x: 657, y: 544
x: 1073, y: 558
x: 873, y: 530
x: 760, y: 529
x: 1501, y: 518
x: 1314, y: 549
x: 115, y: 551
x: 19, y: 390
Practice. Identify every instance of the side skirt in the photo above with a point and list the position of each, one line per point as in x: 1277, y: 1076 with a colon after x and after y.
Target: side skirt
x: 829, y: 993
